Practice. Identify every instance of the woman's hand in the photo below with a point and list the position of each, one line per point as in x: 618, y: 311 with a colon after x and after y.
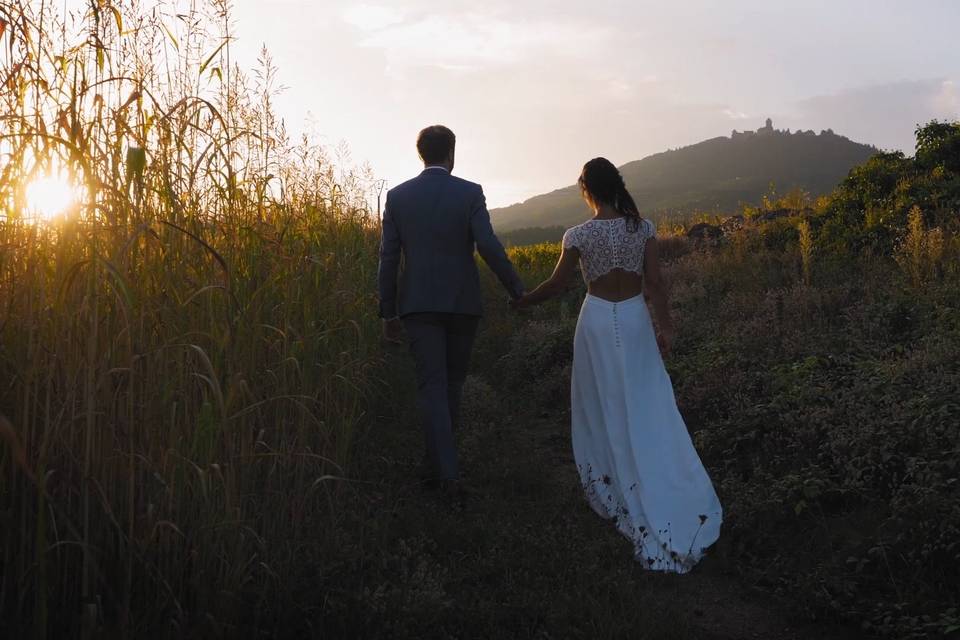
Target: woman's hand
x: 665, y: 341
x: 554, y: 285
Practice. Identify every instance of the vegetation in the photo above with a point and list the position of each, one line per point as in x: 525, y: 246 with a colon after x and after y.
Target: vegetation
x: 816, y: 366
x: 820, y: 388
x: 715, y: 176
x: 201, y: 435
x: 531, y: 235
x: 187, y: 353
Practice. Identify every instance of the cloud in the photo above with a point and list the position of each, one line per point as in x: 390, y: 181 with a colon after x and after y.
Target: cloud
x: 372, y: 17
x: 465, y: 41
x: 735, y: 115
x: 884, y: 114
x: 947, y: 100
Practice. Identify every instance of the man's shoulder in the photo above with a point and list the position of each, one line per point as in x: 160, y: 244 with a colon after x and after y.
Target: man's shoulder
x: 403, y: 187
x: 419, y: 182
x: 466, y: 184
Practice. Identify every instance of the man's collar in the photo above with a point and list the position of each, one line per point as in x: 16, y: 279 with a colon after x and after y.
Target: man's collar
x: 436, y: 166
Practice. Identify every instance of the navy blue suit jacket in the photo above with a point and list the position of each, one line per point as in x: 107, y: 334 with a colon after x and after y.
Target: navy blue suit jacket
x: 434, y: 222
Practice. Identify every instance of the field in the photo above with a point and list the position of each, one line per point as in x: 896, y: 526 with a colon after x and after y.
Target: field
x: 201, y: 434
x: 188, y: 348
x: 827, y: 415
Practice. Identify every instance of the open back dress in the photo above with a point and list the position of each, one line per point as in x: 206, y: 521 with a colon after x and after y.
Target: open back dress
x: 637, y: 463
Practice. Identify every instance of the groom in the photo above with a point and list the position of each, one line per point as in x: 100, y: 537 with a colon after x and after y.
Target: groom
x: 434, y: 221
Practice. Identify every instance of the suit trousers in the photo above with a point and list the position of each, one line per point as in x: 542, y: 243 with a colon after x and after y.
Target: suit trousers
x: 441, y: 345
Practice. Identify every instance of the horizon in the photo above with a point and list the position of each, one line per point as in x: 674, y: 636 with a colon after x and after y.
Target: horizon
x: 529, y: 106
x: 532, y: 92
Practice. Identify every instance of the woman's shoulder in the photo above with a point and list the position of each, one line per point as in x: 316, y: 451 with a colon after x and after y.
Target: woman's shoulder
x: 583, y: 226
x: 572, y: 235
x: 649, y: 228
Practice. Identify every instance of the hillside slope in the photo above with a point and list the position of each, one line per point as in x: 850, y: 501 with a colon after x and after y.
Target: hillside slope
x: 714, y: 175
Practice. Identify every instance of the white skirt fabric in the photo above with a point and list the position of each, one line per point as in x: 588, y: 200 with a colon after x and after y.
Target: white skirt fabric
x: 637, y: 463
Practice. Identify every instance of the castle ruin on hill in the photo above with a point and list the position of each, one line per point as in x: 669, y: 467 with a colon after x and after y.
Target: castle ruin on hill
x: 768, y: 130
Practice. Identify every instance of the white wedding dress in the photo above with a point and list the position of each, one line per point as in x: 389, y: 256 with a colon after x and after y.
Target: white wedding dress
x: 637, y: 463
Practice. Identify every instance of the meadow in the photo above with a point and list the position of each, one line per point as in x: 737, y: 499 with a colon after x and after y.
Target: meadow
x: 201, y: 434
x: 823, y: 401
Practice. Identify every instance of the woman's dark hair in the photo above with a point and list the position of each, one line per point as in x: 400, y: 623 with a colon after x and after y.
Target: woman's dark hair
x: 435, y: 143
x: 601, y: 181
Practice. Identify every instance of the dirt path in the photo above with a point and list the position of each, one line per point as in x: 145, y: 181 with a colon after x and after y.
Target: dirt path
x: 524, y: 556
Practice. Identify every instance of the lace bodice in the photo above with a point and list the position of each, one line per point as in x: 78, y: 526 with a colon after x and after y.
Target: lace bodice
x: 605, y: 245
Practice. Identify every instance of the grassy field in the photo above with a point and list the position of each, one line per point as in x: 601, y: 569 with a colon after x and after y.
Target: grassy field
x: 188, y: 341
x: 201, y: 434
x: 826, y: 413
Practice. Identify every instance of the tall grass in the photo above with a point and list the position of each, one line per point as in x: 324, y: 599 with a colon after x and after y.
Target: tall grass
x: 805, y: 241
x: 187, y: 353
x: 921, y: 251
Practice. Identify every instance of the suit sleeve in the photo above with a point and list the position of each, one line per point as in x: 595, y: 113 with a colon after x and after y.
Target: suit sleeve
x: 490, y: 249
x: 389, y: 263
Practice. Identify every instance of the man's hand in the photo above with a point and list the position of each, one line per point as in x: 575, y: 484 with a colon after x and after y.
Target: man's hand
x: 392, y: 331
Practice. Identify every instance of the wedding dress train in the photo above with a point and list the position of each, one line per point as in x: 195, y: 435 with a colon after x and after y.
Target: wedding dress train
x: 637, y: 463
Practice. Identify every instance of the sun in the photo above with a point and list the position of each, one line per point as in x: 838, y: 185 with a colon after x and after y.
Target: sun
x: 50, y: 196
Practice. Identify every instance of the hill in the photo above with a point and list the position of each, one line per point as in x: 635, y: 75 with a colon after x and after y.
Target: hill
x: 717, y: 175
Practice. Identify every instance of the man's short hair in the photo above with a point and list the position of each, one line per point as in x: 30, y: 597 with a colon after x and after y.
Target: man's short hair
x: 435, y: 144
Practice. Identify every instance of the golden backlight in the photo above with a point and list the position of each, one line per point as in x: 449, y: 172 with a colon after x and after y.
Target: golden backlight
x: 49, y: 197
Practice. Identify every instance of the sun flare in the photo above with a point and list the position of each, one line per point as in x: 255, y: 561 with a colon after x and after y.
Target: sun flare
x: 50, y: 196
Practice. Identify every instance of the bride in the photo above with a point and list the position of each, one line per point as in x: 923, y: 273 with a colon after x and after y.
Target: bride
x: 636, y: 461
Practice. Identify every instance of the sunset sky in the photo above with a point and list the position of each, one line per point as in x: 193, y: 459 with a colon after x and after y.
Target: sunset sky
x: 535, y: 88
